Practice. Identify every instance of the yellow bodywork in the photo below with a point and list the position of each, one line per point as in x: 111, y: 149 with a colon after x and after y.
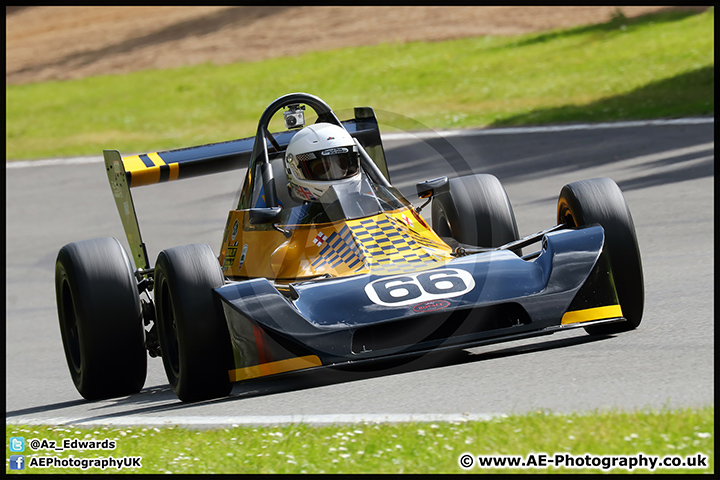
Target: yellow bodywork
x: 384, y: 244
x: 591, y: 314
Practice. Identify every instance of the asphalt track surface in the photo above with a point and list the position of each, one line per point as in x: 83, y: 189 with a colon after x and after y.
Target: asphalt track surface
x: 666, y: 171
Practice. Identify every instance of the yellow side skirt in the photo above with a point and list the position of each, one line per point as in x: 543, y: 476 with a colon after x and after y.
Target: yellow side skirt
x: 599, y: 313
x: 271, y: 368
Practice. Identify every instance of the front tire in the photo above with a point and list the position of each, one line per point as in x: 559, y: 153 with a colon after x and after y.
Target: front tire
x: 475, y: 211
x: 194, y: 338
x: 100, y: 319
x: 601, y: 201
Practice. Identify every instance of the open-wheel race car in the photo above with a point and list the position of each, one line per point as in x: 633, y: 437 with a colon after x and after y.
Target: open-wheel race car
x: 324, y: 263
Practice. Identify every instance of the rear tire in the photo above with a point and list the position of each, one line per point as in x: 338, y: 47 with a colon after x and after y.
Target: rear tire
x: 475, y: 211
x: 601, y: 201
x: 100, y: 319
x: 194, y: 338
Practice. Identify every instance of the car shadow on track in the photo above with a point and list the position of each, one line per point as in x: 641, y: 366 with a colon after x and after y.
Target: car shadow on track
x: 324, y: 376
x: 161, y: 399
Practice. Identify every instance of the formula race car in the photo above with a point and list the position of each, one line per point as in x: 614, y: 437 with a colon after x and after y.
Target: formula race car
x: 324, y: 263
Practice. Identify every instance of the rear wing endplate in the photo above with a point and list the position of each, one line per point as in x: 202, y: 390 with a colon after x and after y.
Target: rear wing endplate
x: 121, y: 192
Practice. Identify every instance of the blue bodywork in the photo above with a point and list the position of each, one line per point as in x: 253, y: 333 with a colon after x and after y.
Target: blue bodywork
x: 337, y: 320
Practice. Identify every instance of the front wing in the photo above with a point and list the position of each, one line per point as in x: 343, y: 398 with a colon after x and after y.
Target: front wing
x: 477, y: 299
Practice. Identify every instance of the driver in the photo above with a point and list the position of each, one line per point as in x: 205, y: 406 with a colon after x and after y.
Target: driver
x: 320, y: 156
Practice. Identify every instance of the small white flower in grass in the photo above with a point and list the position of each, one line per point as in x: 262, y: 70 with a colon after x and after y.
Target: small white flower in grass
x: 571, y: 437
x: 359, y: 432
x: 421, y: 432
x: 332, y: 449
x: 703, y: 435
x: 342, y: 449
x: 230, y: 454
x: 344, y: 455
x: 434, y: 426
x: 399, y: 447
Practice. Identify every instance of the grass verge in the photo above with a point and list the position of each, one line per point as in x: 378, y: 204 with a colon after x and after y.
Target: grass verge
x: 392, y: 448
x: 653, y: 66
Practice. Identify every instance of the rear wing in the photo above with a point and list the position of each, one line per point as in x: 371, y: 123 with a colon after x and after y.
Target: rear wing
x: 133, y: 171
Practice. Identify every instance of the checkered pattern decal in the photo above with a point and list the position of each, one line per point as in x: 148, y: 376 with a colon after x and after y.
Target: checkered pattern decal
x: 382, y: 245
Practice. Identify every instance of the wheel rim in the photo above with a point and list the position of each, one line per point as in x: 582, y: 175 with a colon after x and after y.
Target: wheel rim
x: 443, y: 229
x: 565, y: 216
x: 69, y: 320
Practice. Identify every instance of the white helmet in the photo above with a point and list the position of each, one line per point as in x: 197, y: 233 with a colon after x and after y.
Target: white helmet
x: 320, y: 156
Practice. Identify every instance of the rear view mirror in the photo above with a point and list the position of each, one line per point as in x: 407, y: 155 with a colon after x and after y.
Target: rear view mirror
x: 264, y: 215
x: 429, y: 188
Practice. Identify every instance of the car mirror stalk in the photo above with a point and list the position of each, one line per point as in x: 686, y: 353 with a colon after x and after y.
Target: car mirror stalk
x: 430, y: 188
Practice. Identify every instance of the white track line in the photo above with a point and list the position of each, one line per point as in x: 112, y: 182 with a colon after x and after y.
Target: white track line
x: 428, y: 134
x: 211, y: 421
x: 53, y: 162
x: 546, y: 129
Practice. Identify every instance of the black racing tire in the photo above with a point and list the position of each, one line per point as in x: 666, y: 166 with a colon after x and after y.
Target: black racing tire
x: 475, y: 211
x: 600, y: 201
x: 100, y: 319
x: 194, y: 339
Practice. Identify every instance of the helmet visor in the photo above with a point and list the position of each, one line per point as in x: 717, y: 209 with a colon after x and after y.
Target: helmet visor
x: 329, y: 164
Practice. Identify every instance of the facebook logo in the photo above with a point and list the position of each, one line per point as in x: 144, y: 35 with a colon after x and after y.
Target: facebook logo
x: 17, y: 462
x: 17, y: 444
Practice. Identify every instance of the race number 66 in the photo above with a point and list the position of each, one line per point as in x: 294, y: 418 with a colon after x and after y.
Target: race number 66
x: 413, y: 288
